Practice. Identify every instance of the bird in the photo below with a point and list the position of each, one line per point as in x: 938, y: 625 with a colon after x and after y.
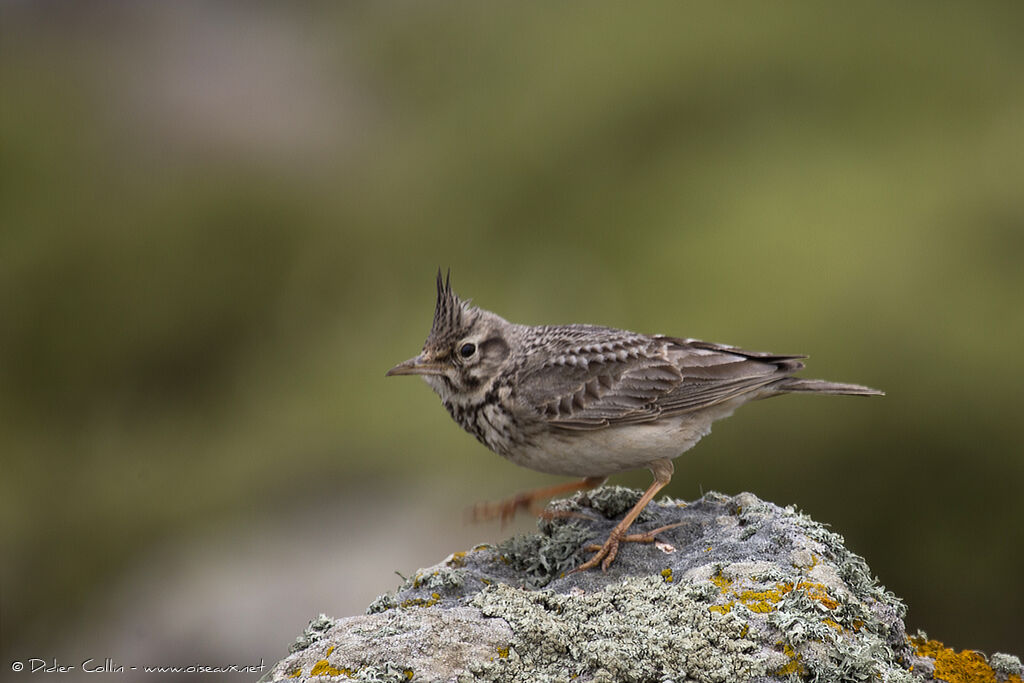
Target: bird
x: 590, y: 401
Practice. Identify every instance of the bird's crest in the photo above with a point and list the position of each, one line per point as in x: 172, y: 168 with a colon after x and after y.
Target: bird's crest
x: 452, y: 316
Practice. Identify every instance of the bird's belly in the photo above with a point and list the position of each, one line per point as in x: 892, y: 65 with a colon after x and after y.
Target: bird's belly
x: 602, y: 452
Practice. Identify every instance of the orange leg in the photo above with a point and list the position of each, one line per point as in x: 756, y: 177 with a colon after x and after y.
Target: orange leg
x: 662, y: 471
x: 506, y: 509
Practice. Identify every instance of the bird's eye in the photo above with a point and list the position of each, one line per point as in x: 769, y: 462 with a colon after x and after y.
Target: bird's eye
x: 467, y: 350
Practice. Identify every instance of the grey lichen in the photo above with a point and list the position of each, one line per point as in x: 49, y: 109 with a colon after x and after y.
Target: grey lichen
x: 1006, y: 665
x: 642, y: 629
x: 611, y: 501
x: 388, y: 672
x: 382, y: 603
x: 738, y: 590
x: 313, y: 632
x: 443, y: 578
x: 542, y: 557
x: 422, y: 644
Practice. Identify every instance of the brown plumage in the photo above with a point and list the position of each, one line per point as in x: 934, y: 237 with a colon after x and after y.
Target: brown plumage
x: 590, y: 401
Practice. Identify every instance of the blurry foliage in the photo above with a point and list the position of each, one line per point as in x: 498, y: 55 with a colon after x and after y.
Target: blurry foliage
x: 220, y: 225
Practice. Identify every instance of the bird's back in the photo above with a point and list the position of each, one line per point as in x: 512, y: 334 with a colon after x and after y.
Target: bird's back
x: 588, y: 377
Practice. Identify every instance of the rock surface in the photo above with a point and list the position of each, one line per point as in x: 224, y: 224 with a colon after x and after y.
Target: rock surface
x: 741, y: 590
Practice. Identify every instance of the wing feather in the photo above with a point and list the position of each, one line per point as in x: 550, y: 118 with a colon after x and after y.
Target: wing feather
x: 619, y: 377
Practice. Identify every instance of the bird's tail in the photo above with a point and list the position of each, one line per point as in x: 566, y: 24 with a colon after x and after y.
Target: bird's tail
x: 821, y: 386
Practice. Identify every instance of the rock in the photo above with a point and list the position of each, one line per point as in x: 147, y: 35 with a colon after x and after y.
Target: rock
x: 741, y: 590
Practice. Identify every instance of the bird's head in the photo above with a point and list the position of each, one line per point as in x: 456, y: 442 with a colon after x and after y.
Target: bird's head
x: 467, y: 347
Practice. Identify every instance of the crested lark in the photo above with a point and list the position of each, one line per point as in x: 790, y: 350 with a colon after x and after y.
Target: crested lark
x: 590, y: 401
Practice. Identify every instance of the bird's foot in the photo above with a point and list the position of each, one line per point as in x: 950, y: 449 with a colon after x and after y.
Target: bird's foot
x: 605, y: 554
x: 528, y: 500
x: 504, y: 510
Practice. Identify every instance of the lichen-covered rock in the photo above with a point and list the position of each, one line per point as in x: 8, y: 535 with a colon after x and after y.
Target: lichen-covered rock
x: 740, y: 590
x: 390, y: 646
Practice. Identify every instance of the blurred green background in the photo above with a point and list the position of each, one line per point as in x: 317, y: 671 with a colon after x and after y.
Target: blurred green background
x: 220, y: 223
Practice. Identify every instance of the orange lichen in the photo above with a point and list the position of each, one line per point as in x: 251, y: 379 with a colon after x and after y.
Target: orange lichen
x: 833, y: 623
x: 457, y: 559
x: 720, y: 581
x: 795, y: 664
x: 422, y: 602
x: 667, y: 575
x: 764, y: 601
x: 966, y: 666
x: 419, y: 579
x: 761, y: 602
x: 817, y: 592
x: 295, y: 674
x: 503, y: 652
x: 324, y: 668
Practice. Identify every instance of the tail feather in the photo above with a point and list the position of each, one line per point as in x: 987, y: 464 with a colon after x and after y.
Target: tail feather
x: 821, y: 386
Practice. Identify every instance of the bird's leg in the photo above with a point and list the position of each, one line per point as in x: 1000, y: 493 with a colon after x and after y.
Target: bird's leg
x: 662, y: 471
x: 506, y: 509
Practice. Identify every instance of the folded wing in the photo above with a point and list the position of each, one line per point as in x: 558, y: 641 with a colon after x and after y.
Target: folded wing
x: 622, y: 378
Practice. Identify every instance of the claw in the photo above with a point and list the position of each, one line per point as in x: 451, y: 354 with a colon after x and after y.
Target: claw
x: 605, y: 554
x: 649, y: 536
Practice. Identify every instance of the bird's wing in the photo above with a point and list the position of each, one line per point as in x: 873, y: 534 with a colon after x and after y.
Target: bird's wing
x: 608, y: 377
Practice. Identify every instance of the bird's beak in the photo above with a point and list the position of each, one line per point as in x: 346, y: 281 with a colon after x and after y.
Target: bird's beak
x: 416, y: 366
